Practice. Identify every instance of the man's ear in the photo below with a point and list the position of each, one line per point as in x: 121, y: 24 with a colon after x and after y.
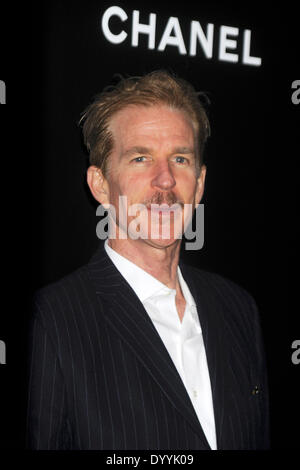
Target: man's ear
x: 98, y: 185
x: 200, y: 185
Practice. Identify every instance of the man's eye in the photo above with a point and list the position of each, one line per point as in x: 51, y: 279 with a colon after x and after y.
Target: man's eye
x: 180, y: 159
x: 139, y: 159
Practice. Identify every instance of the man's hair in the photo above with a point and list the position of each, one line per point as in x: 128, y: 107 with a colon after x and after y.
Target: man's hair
x: 156, y: 88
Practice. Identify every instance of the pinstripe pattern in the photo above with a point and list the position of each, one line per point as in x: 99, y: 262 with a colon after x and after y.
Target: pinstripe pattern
x: 101, y: 377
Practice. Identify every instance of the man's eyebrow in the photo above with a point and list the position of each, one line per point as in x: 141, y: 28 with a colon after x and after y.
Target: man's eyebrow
x: 137, y: 149
x: 184, y: 150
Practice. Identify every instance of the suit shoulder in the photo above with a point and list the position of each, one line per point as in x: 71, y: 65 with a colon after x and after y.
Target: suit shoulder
x: 61, y: 294
x: 235, y: 306
x: 74, y: 278
x: 225, y: 289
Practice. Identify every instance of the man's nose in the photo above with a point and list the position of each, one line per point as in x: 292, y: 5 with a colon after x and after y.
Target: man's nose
x: 163, y: 177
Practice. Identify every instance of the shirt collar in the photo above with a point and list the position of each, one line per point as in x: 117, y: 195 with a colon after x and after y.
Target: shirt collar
x: 143, y: 284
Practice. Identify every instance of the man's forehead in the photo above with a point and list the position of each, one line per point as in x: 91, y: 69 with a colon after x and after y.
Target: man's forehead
x: 129, y: 130
x: 143, y: 115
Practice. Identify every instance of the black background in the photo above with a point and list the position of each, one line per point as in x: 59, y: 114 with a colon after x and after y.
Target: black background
x: 54, y: 59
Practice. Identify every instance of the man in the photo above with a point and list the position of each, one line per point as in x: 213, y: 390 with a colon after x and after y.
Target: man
x: 133, y: 351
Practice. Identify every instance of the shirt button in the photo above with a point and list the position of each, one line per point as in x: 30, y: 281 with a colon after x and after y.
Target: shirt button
x: 195, y: 393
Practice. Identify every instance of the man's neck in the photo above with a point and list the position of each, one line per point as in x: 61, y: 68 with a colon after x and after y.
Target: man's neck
x: 160, y: 262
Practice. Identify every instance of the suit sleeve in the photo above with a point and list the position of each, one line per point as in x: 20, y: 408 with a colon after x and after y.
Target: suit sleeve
x: 47, y: 424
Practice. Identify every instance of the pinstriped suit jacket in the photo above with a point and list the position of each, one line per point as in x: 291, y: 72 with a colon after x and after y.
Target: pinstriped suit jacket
x: 101, y: 377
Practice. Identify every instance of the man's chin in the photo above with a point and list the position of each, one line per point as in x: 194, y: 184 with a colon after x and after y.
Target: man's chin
x: 160, y: 243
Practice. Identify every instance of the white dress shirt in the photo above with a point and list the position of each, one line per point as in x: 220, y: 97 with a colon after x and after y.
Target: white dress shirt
x: 183, y: 340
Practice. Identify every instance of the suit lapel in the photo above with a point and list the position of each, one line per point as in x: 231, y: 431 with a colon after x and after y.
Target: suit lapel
x: 126, y: 315
x: 211, y: 315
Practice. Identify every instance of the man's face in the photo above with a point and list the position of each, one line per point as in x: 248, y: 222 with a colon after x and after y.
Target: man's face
x: 153, y: 162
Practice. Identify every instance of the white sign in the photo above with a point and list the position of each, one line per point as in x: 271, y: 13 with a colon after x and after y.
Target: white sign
x: 199, y: 38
